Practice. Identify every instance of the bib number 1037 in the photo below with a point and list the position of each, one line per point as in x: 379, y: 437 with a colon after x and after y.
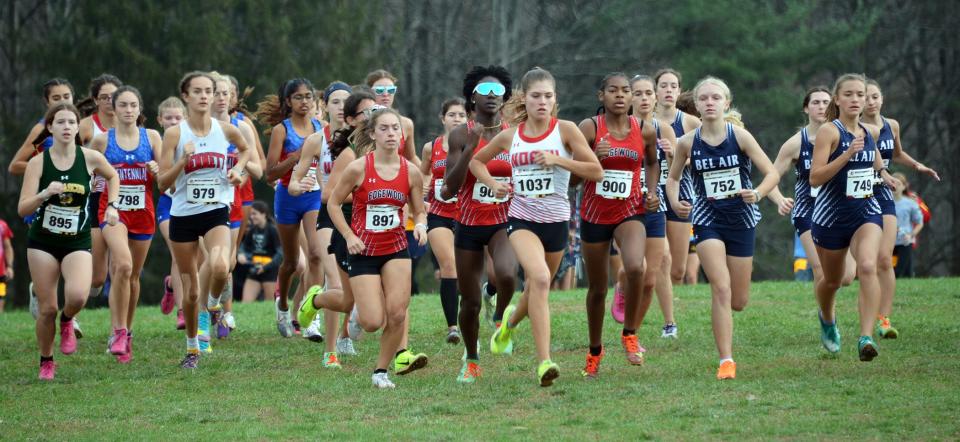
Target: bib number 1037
x: 533, y: 182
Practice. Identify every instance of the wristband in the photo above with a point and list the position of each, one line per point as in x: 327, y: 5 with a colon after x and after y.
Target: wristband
x: 420, y: 225
x: 756, y: 193
x: 113, y: 204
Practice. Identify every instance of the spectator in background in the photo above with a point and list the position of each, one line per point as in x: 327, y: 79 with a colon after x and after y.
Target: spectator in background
x: 6, y: 257
x: 909, y: 223
x: 909, y: 193
x: 261, y: 252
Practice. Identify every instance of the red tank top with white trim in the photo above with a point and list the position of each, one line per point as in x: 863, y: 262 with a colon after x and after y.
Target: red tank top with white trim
x: 618, y: 195
x: 438, y: 167
x: 378, y: 210
x: 477, y: 204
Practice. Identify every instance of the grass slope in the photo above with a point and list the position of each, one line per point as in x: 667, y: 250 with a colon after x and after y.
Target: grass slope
x: 257, y: 385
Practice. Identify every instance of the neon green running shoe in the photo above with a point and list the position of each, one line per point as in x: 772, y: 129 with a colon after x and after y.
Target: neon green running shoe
x: 307, y: 311
x: 330, y: 360
x: 470, y: 372
x: 885, y: 330
x: 547, y: 372
x: 407, y: 361
x: 502, y: 340
x: 868, y: 348
x: 829, y: 335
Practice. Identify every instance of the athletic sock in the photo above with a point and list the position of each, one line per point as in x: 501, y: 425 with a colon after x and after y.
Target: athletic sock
x: 725, y: 360
x: 595, y: 351
x: 491, y: 289
x: 400, y: 351
x: 628, y: 332
x: 193, y: 345
x: 45, y: 359
x: 448, y: 300
x: 64, y: 317
x: 380, y: 370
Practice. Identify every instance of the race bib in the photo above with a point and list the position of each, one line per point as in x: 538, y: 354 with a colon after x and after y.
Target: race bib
x: 382, y: 217
x: 132, y: 197
x: 533, y: 183
x: 860, y: 183
x: 616, y: 184
x: 814, y: 191
x: 721, y: 184
x: 664, y: 171
x: 203, y: 190
x: 61, y: 220
x: 437, y: 187
x: 484, y: 194
x: 312, y: 172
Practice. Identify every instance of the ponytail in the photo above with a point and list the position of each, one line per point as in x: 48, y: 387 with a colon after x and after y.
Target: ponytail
x: 273, y: 109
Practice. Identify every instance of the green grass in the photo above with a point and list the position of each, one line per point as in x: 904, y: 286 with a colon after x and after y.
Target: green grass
x: 257, y: 385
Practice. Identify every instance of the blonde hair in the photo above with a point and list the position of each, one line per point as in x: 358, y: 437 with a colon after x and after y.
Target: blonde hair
x: 833, y: 110
x: 716, y: 82
x: 171, y: 103
x: 734, y: 117
x: 515, y: 109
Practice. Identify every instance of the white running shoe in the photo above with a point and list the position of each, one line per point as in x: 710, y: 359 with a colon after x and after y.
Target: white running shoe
x: 353, y: 326
x: 34, y: 303
x: 489, y: 304
x: 669, y: 331
x: 284, y: 326
x: 76, y: 329
x: 230, y: 320
x: 381, y: 380
x: 312, y: 332
x: 345, y: 347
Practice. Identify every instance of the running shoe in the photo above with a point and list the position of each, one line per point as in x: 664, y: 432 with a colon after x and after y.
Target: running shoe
x: 407, y: 362
x: 47, y: 370
x: 216, y: 312
x: 867, y: 348
x: 330, y: 360
x: 126, y: 357
x: 727, y: 370
x: 354, y: 330
x: 469, y: 373
x: 283, y: 321
x: 453, y: 336
x: 829, y: 335
x: 34, y: 303
x: 669, y: 331
x: 618, y: 308
x: 307, y: 311
x: 167, y: 303
x: 76, y: 329
x: 230, y: 321
x: 203, y: 332
x: 489, y: 305
x: 592, y: 369
x: 381, y: 380
x: 119, y: 344
x: 68, y: 340
x: 635, y: 351
x: 547, y: 372
x: 885, y: 330
x: 313, y: 331
x: 181, y: 323
x: 222, y: 330
x: 502, y: 340
x: 190, y: 361
x: 345, y: 347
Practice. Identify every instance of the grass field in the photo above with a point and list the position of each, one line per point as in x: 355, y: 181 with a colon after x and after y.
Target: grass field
x: 257, y: 385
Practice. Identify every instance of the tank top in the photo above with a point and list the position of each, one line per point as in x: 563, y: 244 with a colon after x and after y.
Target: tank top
x: 438, y: 167
x: 847, y: 198
x: 378, y: 210
x: 885, y: 146
x: 292, y: 143
x: 686, y: 181
x: 719, y: 173
x: 477, y: 203
x: 539, y: 193
x: 664, y: 170
x: 202, y: 186
x: 136, y: 183
x: 803, y: 193
x: 326, y: 158
x: 99, y: 184
x: 619, y: 194
x: 62, y: 220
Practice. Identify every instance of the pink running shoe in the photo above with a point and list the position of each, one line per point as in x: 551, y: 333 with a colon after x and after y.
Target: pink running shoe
x: 125, y: 358
x: 619, y: 306
x: 167, y: 302
x: 181, y: 323
x: 47, y: 370
x: 119, y: 345
x: 68, y: 341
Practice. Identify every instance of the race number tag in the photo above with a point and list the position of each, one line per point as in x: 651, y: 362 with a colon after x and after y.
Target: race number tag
x: 203, y: 190
x: 484, y: 194
x: 61, y: 220
x: 860, y: 183
x: 437, y: 187
x: 814, y: 191
x: 533, y: 183
x: 382, y: 217
x: 664, y: 171
x: 616, y: 184
x: 312, y: 172
x: 721, y: 184
x: 132, y: 197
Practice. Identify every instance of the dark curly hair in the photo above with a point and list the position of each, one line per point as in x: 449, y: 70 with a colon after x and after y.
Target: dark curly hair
x: 478, y: 72
x: 340, y: 139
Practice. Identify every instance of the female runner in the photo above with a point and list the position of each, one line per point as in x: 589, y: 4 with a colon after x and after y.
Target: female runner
x: 170, y: 113
x: 260, y: 250
x: 384, y: 87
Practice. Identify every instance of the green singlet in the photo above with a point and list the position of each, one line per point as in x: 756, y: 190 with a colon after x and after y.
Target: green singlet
x: 62, y: 220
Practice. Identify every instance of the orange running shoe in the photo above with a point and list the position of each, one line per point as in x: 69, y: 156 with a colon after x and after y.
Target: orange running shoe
x: 727, y: 370
x: 592, y: 370
x: 633, y: 348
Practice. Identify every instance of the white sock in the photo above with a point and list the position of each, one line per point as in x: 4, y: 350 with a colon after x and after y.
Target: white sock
x: 725, y: 360
x: 193, y: 343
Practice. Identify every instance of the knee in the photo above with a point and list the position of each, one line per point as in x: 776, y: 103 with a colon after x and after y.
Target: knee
x: 633, y: 270
x: 370, y: 324
x: 867, y: 267
x: 47, y: 311
x: 396, y: 318
x: 469, y: 304
x: 738, y: 304
x: 98, y: 280
x: 122, y: 270
x: 314, y: 259
x: 832, y: 284
x: 885, y: 262
x: 448, y: 270
x: 722, y: 294
x: 677, y: 272
x: 539, y: 280
x: 288, y: 266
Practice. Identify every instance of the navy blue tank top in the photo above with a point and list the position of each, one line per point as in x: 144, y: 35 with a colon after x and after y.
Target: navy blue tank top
x: 885, y: 146
x: 847, y: 198
x: 719, y: 173
x: 802, y: 193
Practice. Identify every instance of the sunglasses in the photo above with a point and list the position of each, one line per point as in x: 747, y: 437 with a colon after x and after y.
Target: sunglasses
x: 368, y: 112
x: 382, y: 90
x: 488, y: 87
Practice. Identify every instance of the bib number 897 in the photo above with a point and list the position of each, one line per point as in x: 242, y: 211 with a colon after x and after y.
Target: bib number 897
x: 382, y: 221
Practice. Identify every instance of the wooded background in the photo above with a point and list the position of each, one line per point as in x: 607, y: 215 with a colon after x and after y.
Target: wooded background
x: 769, y: 52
